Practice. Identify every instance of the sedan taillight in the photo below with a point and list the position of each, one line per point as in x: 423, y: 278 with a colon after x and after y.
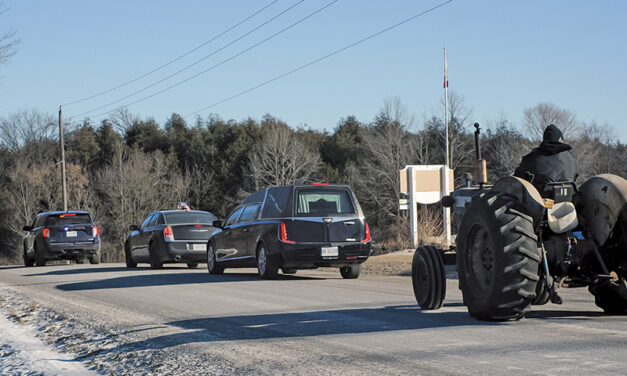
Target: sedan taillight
x: 46, y: 233
x: 367, y: 237
x: 168, y: 235
x: 94, y: 231
x: 283, y: 234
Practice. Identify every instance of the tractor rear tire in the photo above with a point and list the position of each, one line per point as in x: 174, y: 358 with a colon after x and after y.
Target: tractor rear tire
x: 498, y: 258
x: 428, y: 277
x: 606, y: 297
x: 609, y: 300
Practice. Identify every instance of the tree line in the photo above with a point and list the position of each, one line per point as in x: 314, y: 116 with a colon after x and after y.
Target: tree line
x: 125, y: 167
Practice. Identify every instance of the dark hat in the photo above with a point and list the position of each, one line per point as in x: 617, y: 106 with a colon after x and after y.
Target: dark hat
x: 552, y: 133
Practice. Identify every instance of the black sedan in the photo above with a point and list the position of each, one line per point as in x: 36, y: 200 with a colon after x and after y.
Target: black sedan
x: 71, y: 235
x: 170, y: 236
x: 293, y: 227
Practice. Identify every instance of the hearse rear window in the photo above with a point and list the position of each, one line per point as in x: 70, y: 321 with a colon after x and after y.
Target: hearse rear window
x: 276, y: 202
x: 324, y: 202
x: 69, y: 219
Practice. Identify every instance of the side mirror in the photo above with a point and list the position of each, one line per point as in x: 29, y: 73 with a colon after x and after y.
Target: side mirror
x: 447, y: 201
x: 133, y: 227
x: 27, y: 228
x: 217, y: 224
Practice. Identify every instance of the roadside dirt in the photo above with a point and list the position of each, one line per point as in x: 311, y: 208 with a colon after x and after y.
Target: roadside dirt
x: 395, y: 263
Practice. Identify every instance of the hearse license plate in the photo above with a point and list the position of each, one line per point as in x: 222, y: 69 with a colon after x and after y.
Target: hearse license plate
x: 329, y: 252
x: 199, y: 247
x: 70, y: 234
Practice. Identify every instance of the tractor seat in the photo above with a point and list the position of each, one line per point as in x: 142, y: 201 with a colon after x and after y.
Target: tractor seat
x: 562, y: 217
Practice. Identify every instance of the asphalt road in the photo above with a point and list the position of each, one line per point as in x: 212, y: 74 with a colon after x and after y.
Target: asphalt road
x: 313, y: 323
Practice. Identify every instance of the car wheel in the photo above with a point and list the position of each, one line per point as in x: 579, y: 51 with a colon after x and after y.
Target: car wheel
x: 266, y: 266
x: 128, y: 256
x: 94, y: 259
x: 288, y: 270
x: 155, y: 262
x: 28, y: 261
x: 351, y: 271
x: 212, y: 264
x: 80, y: 260
x: 40, y: 258
x: 192, y: 265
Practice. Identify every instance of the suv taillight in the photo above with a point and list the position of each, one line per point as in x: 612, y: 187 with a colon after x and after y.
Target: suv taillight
x: 367, y: 237
x: 168, y: 235
x: 94, y: 231
x: 283, y: 234
x: 46, y: 233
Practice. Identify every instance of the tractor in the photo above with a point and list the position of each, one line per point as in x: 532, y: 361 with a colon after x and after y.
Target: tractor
x: 515, y: 245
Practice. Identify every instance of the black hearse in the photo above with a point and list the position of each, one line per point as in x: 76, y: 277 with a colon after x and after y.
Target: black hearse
x: 292, y: 227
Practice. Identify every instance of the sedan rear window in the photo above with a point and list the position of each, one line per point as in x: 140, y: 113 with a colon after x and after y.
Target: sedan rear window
x: 68, y: 219
x: 189, y: 217
x: 324, y: 203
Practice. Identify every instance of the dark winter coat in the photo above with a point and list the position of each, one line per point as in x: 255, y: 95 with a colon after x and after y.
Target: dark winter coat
x: 552, y: 161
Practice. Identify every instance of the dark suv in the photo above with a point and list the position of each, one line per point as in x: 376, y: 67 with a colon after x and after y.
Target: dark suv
x: 71, y: 235
x: 293, y: 227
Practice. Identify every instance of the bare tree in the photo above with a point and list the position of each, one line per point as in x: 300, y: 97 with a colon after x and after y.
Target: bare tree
x: 8, y: 41
x: 132, y: 186
x: 503, y: 148
x: 199, y: 181
x: 122, y: 119
x: 538, y: 117
x: 280, y: 158
x: 597, y: 151
x: 389, y: 147
x: 460, y: 141
x: 33, y: 187
x: 22, y: 127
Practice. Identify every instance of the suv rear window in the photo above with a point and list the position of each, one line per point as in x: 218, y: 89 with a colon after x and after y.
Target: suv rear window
x: 324, y: 202
x: 189, y: 217
x: 68, y: 219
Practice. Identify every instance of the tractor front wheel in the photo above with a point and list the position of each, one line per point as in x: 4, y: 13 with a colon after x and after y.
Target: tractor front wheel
x: 428, y: 277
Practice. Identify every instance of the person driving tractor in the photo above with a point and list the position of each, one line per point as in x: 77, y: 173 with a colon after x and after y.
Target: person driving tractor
x: 551, y: 161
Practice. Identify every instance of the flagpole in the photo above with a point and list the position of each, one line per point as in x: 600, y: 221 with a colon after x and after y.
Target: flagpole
x: 446, y: 109
x: 446, y: 212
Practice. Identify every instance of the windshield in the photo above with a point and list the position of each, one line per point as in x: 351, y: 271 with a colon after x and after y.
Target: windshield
x: 189, y: 217
x: 324, y: 202
x: 69, y: 219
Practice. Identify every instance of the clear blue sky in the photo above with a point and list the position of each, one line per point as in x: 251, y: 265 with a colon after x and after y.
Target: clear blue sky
x: 504, y: 56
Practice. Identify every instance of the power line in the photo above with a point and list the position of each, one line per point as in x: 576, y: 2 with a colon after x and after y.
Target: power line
x: 223, y: 61
x: 172, y: 61
x: 192, y: 64
x: 321, y: 58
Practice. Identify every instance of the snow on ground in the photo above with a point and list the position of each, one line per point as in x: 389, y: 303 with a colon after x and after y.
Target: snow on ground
x: 36, y: 340
x: 22, y: 353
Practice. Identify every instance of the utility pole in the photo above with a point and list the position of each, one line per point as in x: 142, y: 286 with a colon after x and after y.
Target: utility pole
x: 62, y: 159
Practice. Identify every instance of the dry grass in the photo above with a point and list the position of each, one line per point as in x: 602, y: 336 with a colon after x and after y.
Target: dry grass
x: 398, y: 234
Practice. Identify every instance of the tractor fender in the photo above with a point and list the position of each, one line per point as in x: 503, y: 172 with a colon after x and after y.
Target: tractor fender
x: 599, y: 203
x: 527, y: 196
